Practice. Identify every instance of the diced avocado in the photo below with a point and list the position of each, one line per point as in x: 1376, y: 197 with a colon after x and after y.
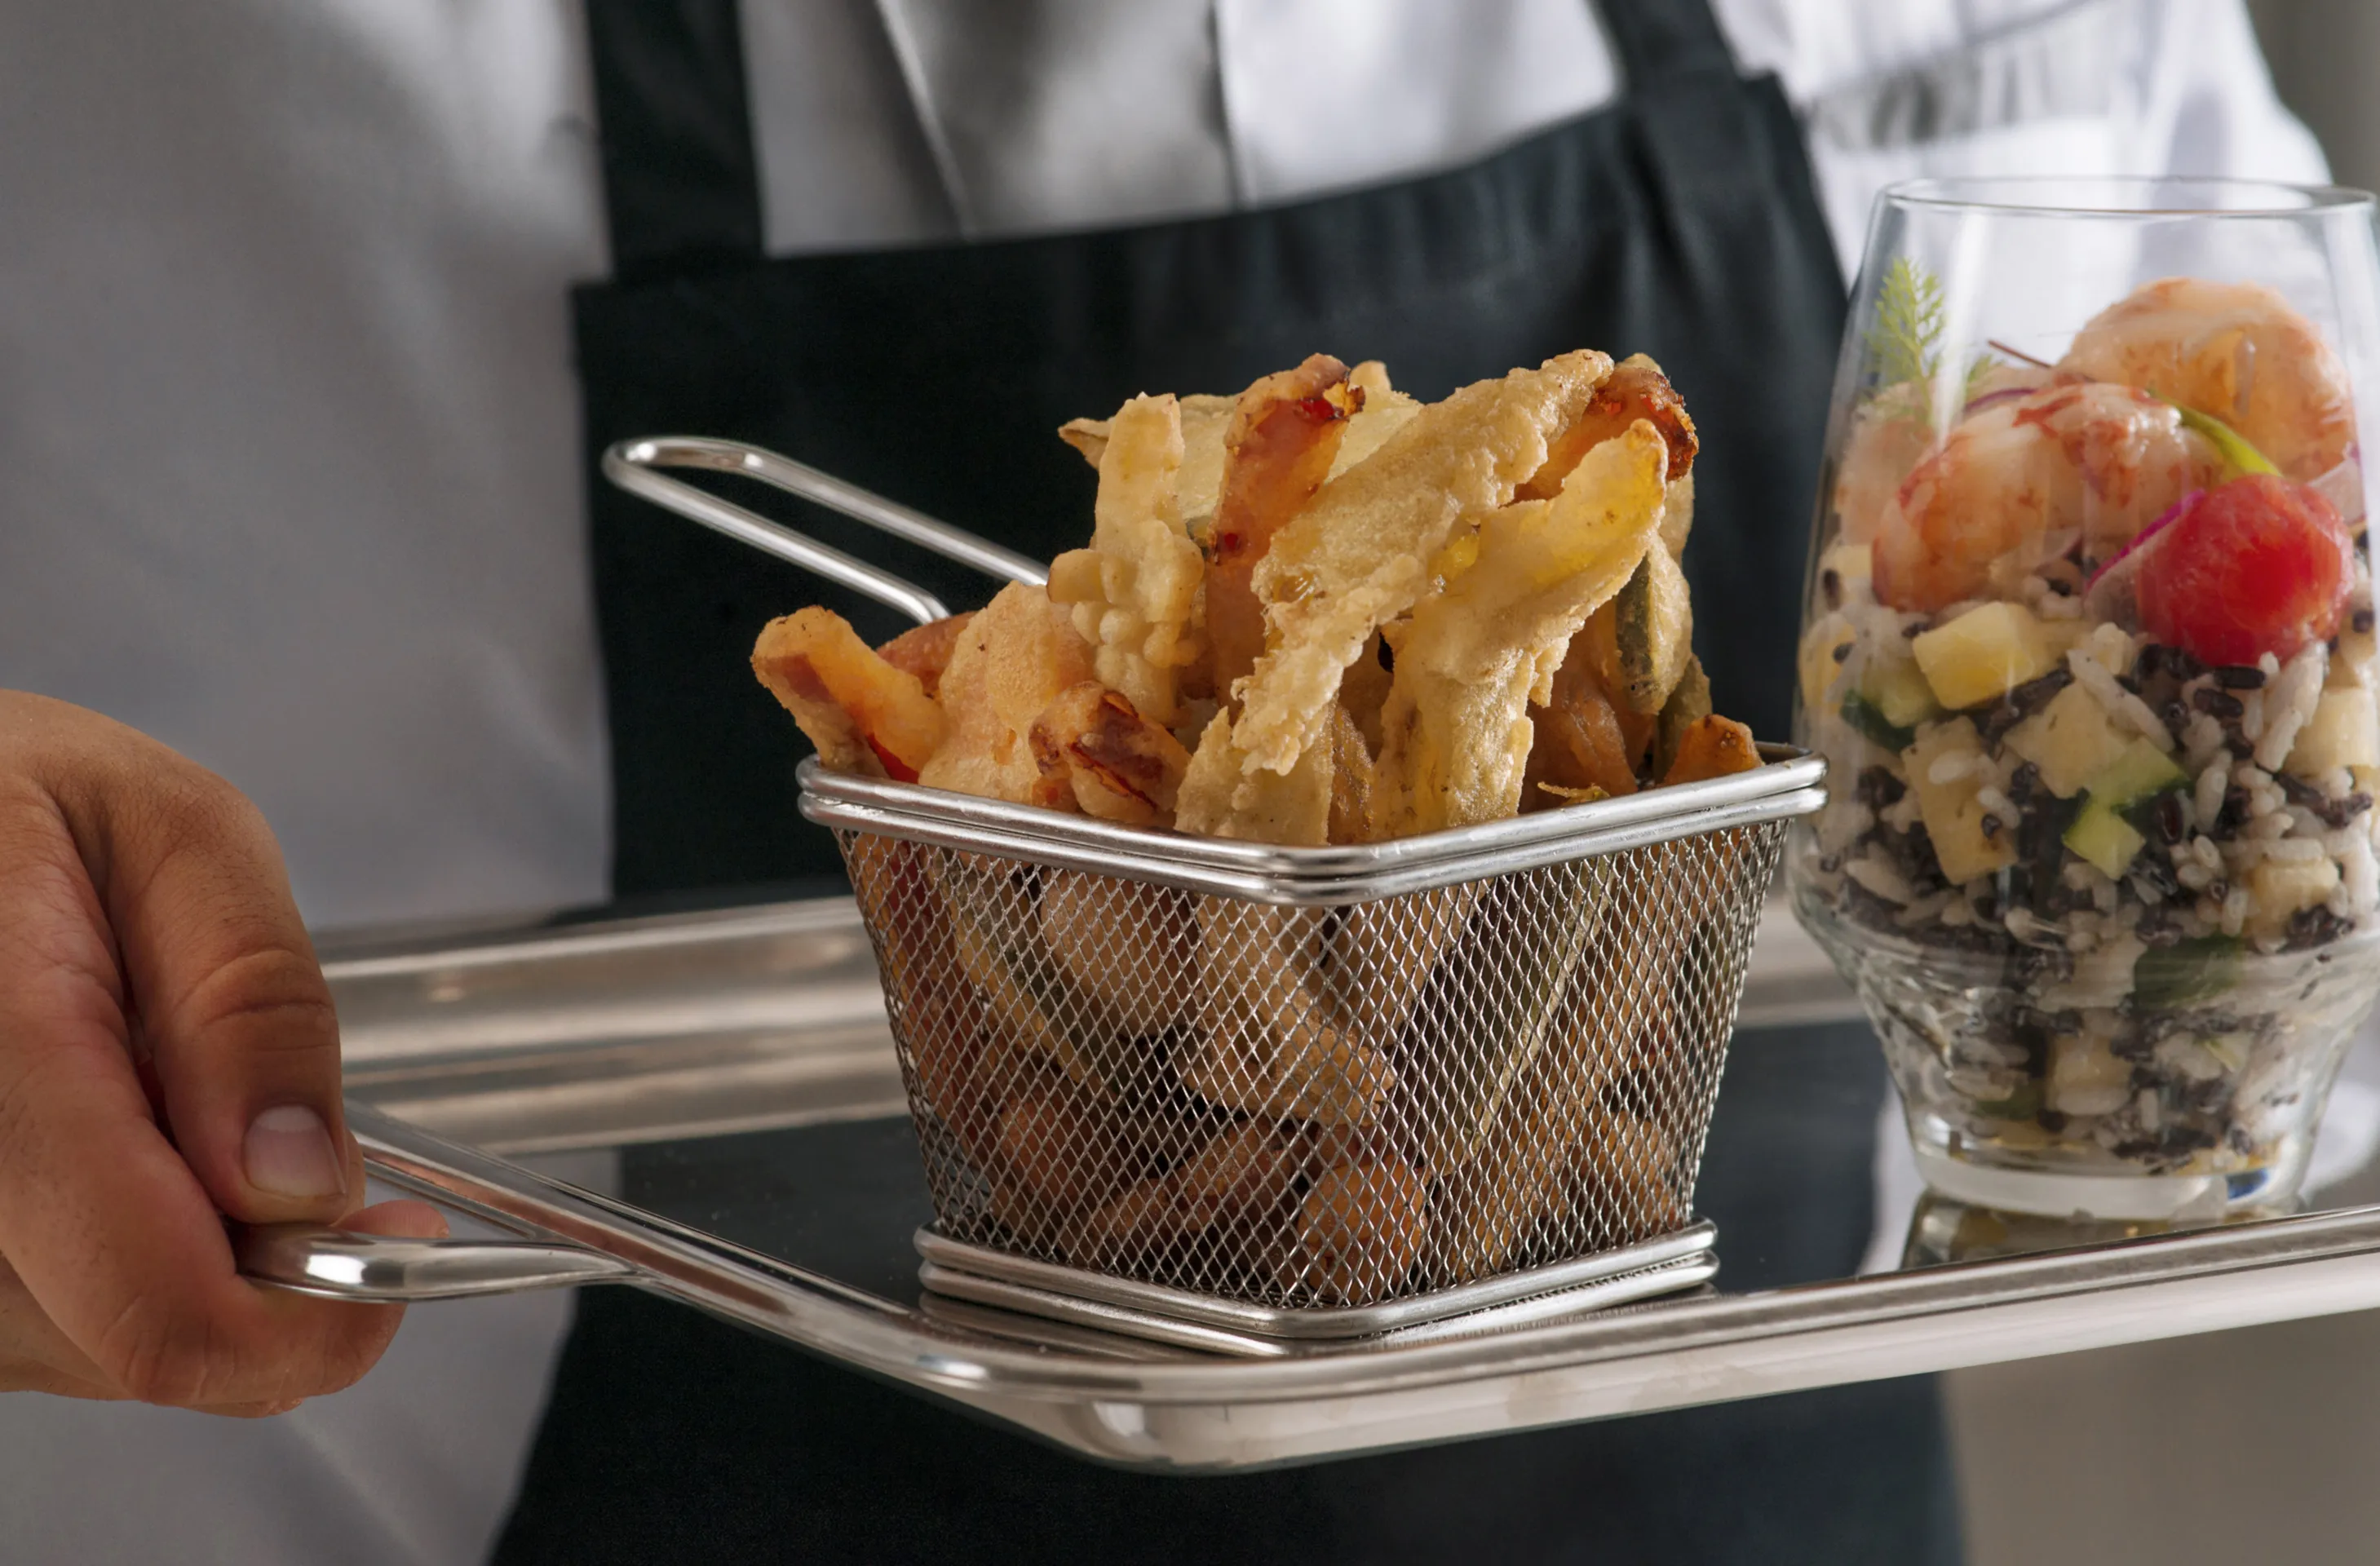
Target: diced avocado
x: 2100, y: 834
x: 2102, y: 837
x: 2024, y: 1103
x: 2343, y: 732
x: 2139, y: 775
x: 1657, y: 631
x: 1981, y: 654
x: 2070, y: 740
x: 1864, y: 716
x: 1896, y: 689
x: 1954, y: 818
x: 1818, y: 663
x: 2188, y: 973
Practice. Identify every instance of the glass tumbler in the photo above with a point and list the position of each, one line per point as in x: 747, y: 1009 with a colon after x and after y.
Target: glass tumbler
x: 2088, y: 645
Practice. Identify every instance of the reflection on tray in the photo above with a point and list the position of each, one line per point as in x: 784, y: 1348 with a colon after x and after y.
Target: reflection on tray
x: 1943, y: 1229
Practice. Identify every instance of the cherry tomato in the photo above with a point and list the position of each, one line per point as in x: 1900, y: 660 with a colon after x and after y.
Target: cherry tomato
x: 2254, y: 566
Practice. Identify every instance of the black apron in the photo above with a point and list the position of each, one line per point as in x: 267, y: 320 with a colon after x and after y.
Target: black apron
x: 1678, y: 222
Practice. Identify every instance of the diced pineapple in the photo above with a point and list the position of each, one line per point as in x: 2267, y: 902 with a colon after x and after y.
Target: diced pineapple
x: 2278, y: 889
x: 1983, y: 654
x: 2070, y: 740
x: 1819, y: 664
x: 2343, y: 732
x: 2087, y: 1077
x: 1953, y: 816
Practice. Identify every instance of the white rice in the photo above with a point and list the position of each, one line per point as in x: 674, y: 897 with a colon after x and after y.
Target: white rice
x: 2360, y: 878
x: 2294, y: 851
x: 1879, y: 878
x: 2252, y: 716
x: 2293, y: 697
x: 1952, y: 766
x: 2235, y: 911
x: 2208, y: 800
x: 2093, y: 677
x: 2201, y: 737
x: 1996, y: 802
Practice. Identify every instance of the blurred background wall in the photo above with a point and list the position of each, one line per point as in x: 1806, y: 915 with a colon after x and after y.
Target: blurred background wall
x: 2326, y: 59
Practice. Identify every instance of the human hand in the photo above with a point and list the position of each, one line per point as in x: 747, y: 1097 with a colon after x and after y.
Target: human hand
x: 168, y: 1055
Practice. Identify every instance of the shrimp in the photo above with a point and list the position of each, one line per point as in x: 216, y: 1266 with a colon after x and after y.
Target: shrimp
x: 2236, y: 351
x: 2088, y: 459
x: 1892, y: 432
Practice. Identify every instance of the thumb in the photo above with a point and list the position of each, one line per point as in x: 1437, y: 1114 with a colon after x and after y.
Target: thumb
x: 242, y: 1040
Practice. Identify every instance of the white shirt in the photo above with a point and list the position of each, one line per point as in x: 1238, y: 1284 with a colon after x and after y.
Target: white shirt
x: 288, y: 464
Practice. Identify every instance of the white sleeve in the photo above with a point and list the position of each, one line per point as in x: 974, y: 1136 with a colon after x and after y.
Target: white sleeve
x: 1893, y: 90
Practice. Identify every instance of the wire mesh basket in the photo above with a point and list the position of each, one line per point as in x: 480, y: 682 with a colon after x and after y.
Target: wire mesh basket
x: 1292, y: 1092
x: 1311, y: 1079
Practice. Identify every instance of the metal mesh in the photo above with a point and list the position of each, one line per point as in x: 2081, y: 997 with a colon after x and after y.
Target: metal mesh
x: 1313, y: 1106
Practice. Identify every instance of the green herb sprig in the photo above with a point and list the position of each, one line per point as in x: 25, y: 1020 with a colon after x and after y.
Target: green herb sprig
x: 1904, y: 342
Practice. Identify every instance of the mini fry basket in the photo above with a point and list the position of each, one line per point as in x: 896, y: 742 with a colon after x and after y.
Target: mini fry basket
x: 1238, y: 1097
x: 1244, y: 1098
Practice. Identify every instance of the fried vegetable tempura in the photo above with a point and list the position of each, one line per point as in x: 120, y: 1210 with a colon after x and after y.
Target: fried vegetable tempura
x: 1206, y: 418
x: 1133, y: 592
x: 1017, y: 655
x: 1285, y: 435
x: 1355, y: 557
x: 1456, y: 729
x: 864, y: 714
x: 925, y: 650
x: 1120, y: 766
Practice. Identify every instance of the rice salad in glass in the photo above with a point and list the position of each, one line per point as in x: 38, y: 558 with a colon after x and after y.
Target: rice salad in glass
x: 2092, y: 661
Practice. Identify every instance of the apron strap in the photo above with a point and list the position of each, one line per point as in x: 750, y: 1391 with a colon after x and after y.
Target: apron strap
x: 681, y: 180
x: 1663, y: 37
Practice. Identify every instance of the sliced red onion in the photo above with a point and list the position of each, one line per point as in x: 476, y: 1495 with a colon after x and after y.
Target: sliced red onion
x: 2343, y: 487
x: 2109, y: 595
x: 2006, y: 394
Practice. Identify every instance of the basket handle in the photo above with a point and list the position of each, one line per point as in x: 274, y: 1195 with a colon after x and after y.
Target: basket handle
x: 340, y: 1265
x: 631, y: 465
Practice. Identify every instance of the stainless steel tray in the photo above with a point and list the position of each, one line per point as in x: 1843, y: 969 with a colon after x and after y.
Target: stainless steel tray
x: 663, y: 1040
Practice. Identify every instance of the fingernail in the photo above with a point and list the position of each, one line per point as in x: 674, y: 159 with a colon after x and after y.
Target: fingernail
x: 289, y: 1154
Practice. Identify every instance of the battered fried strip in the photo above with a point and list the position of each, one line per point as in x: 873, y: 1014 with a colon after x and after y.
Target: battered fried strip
x: 1580, y: 741
x: 1133, y: 593
x: 1350, y: 819
x: 1456, y: 732
x: 925, y: 650
x: 1357, y: 555
x: 1119, y: 766
x: 1712, y: 746
x: 1267, y: 1043
x: 1219, y: 799
x: 864, y: 714
x: 1239, y: 1181
x: 1385, y: 410
x: 1017, y: 655
x: 1283, y: 437
x: 1205, y: 419
x: 1636, y: 389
